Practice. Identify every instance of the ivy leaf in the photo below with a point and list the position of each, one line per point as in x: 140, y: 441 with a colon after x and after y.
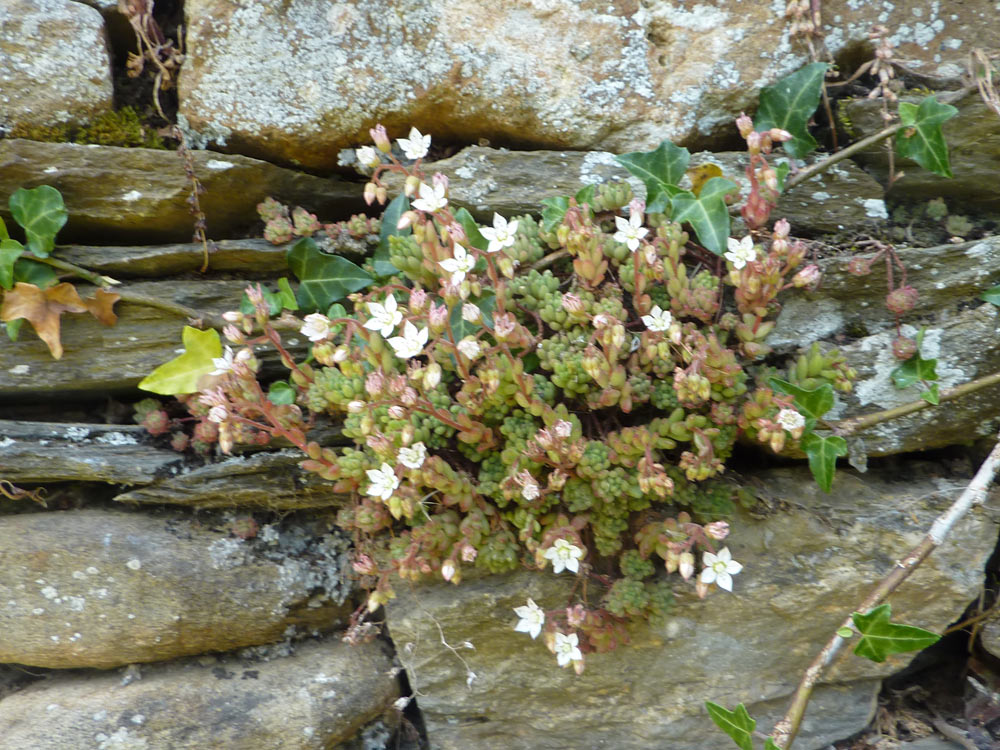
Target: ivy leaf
x: 823, y: 453
x: 737, y: 724
x: 33, y: 272
x: 101, y: 306
x: 181, y: 374
x: 390, y: 218
x: 661, y: 172
x: 921, y: 138
x: 812, y: 404
x: 323, y: 279
x: 914, y: 370
x: 553, y: 211
x: 43, y: 308
x: 789, y: 103
x: 991, y: 295
x: 283, y: 299
x: 281, y: 393
x: 42, y: 213
x: 932, y: 395
x: 10, y: 251
x: 585, y: 195
x: 770, y: 744
x: 475, y: 237
x: 881, y: 638
x: 707, y: 212
x: 13, y: 327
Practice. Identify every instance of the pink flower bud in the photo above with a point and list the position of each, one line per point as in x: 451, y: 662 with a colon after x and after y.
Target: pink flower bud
x: 717, y: 530
x: 778, y: 135
x: 471, y: 313
x: 437, y: 317
x: 411, y: 186
x: 781, y: 229
x: 572, y: 304
x: 418, y: 298
x: 355, y: 407
x: 685, y: 565
x: 754, y: 142
x: 405, y: 220
x: 901, y: 300
x: 808, y: 276
x: 432, y: 376
x: 562, y: 428
x: 469, y: 553
x: 369, y: 194
x: 903, y: 348
x: 744, y: 124
x: 234, y: 334
x: 364, y: 565
x: 381, y: 139
x: 374, y: 383
x: 440, y: 180
x: 447, y: 570
x: 233, y: 316
x: 504, y: 325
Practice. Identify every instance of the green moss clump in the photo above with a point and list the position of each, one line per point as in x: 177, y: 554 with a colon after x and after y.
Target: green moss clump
x: 120, y: 128
x: 49, y: 133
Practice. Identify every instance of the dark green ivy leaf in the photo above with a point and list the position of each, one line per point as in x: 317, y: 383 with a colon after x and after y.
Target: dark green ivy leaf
x: 471, y: 228
x: 823, y: 453
x: 661, y: 171
x: 42, y: 214
x: 991, y: 295
x: 789, y: 103
x: 921, y: 138
x: 323, y: 279
x: 812, y: 404
x: 553, y: 211
x: 880, y: 638
x: 707, y: 212
x: 10, y: 251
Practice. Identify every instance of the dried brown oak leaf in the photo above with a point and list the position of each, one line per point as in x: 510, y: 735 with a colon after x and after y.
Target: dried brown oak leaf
x: 44, y: 307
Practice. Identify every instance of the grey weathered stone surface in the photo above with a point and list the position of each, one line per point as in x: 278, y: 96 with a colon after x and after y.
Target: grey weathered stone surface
x: 973, y: 138
x: 808, y: 564
x: 552, y: 74
x: 962, y: 334
x: 264, y: 480
x: 53, y: 452
x: 130, y: 195
x: 484, y: 180
x: 54, y: 63
x: 92, y: 588
x: 312, y: 700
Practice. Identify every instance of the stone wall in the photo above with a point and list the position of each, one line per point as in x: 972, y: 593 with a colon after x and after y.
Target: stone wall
x: 161, y: 600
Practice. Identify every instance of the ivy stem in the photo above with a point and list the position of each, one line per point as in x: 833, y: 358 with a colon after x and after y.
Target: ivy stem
x: 974, y: 494
x: 850, y: 426
x: 821, y: 166
x: 94, y: 278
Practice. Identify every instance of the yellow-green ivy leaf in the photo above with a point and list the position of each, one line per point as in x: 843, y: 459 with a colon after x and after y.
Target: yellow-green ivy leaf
x: 181, y: 374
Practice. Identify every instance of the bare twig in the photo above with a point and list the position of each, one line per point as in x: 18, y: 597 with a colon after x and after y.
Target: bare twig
x: 974, y: 494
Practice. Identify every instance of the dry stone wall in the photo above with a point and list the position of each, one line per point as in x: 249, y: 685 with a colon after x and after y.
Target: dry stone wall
x: 163, y: 600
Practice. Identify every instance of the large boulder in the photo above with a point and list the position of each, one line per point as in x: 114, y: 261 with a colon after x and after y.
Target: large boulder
x: 810, y: 559
x: 54, y: 63
x: 317, y: 697
x: 546, y: 73
x: 93, y: 588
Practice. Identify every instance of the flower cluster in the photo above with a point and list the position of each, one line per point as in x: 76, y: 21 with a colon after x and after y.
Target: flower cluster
x: 563, y: 394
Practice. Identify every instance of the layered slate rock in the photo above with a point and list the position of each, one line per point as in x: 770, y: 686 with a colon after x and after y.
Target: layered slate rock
x: 618, y: 76
x: 94, y: 588
x: 321, y: 695
x: 973, y: 138
x: 809, y: 560
x: 484, y: 180
x: 128, y: 195
x: 962, y: 333
x: 54, y: 64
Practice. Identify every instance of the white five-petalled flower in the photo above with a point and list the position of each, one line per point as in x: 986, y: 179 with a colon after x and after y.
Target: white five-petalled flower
x: 564, y: 556
x: 411, y: 343
x: 501, y: 235
x: 532, y: 619
x: 316, y: 327
x: 368, y: 157
x: 412, y: 457
x: 790, y: 419
x: 224, y: 363
x: 460, y: 264
x: 720, y: 569
x: 741, y: 252
x: 630, y: 232
x: 658, y: 320
x: 383, y: 481
x: 415, y: 147
x: 384, y: 317
x: 567, y: 648
x: 431, y: 198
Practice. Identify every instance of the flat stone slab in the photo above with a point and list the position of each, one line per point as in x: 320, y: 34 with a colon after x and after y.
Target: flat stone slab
x: 95, y: 588
x: 314, y: 699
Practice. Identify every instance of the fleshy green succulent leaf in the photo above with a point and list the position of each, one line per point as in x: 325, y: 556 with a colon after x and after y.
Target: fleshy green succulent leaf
x: 991, y: 295
x: 390, y: 218
x: 553, y: 211
x: 42, y: 213
x: 921, y: 138
x: 661, y: 171
x: 281, y: 393
x: 32, y: 272
x: 823, y: 452
x: 880, y: 638
x: 182, y: 373
x: 789, y: 103
x: 737, y: 724
x: 323, y: 279
x: 10, y: 251
x: 475, y: 237
x: 812, y: 404
x: 707, y: 212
